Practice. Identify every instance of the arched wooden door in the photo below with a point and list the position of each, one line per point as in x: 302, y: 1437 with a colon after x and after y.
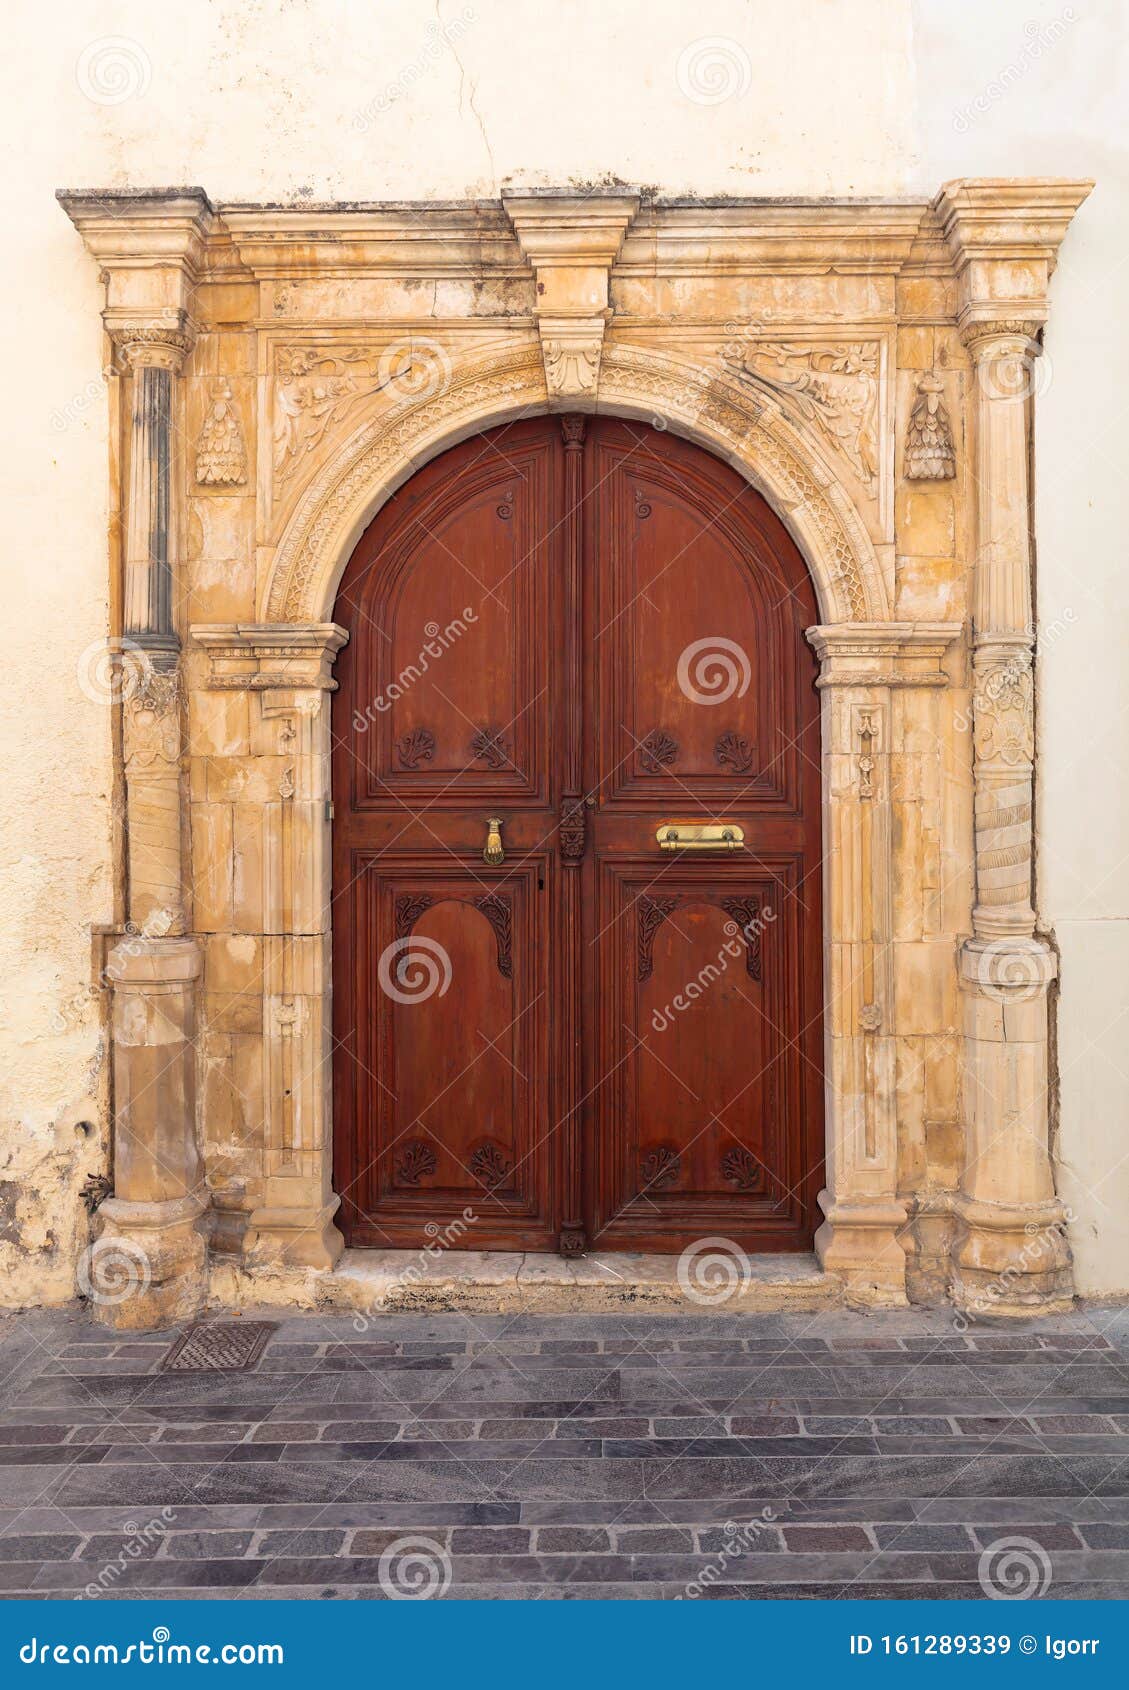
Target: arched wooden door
x: 586, y: 632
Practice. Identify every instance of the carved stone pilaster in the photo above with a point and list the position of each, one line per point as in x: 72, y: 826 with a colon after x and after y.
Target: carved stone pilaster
x: 1010, y: 1252
x: 281, y: 840
x: 149, y: 261
x: 864, y: 1236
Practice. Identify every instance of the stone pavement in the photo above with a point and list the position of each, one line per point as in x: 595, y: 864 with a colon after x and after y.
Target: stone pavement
x: 517, y: 1455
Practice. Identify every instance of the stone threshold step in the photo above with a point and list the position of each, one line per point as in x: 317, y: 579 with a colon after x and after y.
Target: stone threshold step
x: 440, y: 1281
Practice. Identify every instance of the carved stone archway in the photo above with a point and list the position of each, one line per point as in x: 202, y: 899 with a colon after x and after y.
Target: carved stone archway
x: 849, y: 359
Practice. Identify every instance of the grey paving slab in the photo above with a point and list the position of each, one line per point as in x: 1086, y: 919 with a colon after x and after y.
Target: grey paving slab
x: 721, y: 1457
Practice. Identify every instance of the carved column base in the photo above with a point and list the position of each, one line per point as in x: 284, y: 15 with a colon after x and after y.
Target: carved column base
x: 1011, y: 1259
x: 1010, y: 1253
x: 294, y: 1237
x: 148, y: 1267
x: 861, y: 1243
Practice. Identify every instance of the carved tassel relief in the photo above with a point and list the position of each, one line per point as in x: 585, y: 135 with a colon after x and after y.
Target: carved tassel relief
x: 221, y: 459
x: 930, y: 454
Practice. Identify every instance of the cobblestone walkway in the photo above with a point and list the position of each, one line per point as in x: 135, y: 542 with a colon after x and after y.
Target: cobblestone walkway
x: 720, y: 1456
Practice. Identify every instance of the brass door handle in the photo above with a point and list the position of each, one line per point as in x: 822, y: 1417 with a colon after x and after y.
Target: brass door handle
x: 492, y: 851
x: 700, y: 836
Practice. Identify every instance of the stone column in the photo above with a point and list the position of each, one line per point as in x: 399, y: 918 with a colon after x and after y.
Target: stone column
x: 1010, y: 1250
x: 147, y: 1266
x: 869, y: 741
x: 150, y: 1225
x: 269, y: 802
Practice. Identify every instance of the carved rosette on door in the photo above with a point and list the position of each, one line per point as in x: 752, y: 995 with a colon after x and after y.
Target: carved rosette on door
x: 599, y: 1029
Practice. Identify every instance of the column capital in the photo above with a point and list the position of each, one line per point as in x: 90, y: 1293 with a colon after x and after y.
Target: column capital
x: 883, y: 654
x: 1003, y: 234
x: 271, y: 656
x: 153, y: 344
x: 150, y: 248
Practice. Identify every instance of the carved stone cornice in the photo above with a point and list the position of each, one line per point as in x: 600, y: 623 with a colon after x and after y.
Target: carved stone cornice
x: 1004, y: 235
x: 883, y: 654
x: 150, y: 248
x: 1008, y: 217
x: 257, y: 657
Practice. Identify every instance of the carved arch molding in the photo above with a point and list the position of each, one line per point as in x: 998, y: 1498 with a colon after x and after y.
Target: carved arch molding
x: 749, y: 430
x: 274, y: 378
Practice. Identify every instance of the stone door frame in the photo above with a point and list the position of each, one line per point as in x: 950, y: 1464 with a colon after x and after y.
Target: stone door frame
x: 236, y: 363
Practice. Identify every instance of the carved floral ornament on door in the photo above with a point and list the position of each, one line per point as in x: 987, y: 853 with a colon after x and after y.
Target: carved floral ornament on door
x: 867, y: 367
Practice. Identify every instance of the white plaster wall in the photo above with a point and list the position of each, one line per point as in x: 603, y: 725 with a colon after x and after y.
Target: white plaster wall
x: 325, y: 99
x: 1062, y: 75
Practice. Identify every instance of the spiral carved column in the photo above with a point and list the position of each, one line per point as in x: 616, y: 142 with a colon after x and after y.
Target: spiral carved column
x: 1011, y: 1252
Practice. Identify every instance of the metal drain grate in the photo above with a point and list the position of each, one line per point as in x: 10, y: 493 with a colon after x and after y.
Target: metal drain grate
x: 219, y: 1347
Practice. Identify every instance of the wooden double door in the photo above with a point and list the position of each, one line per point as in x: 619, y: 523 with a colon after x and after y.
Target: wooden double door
x: 569, y: 638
